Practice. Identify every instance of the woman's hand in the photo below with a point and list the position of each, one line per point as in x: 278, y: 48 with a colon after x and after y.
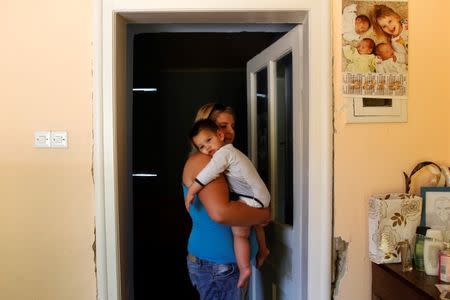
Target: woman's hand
x: 264, y: 224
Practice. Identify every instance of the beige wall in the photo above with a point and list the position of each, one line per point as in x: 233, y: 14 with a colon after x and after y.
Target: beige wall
x: 370, y: 158
x: 47, y: 207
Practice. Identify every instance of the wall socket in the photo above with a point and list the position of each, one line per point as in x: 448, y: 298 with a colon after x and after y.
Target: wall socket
x: 42, y: 139
x: 58, y: 139
x: 50, y: 139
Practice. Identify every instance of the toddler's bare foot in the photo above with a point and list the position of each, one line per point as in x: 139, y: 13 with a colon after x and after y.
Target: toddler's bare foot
x: 244, y: 275
x: 261, y: 257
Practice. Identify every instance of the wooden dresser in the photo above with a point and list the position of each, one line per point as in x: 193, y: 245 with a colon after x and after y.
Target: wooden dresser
x: 390, y: 283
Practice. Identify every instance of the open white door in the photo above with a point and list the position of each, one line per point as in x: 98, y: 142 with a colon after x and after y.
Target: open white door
x: 278, y: 147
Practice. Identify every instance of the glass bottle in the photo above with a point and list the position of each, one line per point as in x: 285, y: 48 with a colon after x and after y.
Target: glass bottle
x: 421, y: 231
x: 405, y: 253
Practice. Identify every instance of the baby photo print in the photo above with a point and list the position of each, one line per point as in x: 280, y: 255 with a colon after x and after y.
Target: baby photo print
x: 374, y: 48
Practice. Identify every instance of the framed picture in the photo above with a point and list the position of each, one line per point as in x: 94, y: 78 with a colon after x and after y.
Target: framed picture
x: 436, y: 207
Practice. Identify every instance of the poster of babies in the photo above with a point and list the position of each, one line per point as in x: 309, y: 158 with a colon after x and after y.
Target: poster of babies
x: 375, y: 48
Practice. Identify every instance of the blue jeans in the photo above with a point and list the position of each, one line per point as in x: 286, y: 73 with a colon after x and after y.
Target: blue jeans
x: 215, y: 281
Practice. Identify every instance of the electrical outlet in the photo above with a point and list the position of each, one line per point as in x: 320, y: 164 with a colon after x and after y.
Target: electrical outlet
x: 59, y: 139
x: 42, y: 139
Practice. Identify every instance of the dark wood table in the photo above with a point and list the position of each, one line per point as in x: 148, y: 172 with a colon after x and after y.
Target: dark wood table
x: 389, y: 282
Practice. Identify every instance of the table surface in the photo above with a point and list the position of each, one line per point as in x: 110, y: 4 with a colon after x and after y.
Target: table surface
x: 417, y: 279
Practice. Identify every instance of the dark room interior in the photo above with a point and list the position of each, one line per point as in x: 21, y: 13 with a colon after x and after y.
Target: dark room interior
x: 187, y: 70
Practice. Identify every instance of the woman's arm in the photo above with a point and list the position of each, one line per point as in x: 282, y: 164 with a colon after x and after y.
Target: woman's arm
x: 214, y: 197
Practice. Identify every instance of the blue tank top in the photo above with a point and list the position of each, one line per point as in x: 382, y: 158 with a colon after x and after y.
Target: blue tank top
x: 210, y: 240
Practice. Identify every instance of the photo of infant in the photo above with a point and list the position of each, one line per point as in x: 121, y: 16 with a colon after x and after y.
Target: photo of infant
x: 388, y: 61
x: 374, y: 47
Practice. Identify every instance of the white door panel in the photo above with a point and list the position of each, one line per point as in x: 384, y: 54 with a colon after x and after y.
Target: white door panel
x: 276, y: 146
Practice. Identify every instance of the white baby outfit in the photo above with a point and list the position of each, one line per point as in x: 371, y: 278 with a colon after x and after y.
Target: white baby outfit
x: 242, y: 176
x: 400, y: 43
x: 390, y: 66
x: 348, y: 23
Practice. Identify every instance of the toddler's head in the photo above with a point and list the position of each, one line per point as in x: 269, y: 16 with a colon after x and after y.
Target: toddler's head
x: 206, y: 136
x: 384, y: 51
x: 387, y: 20
x: 362, y: 24
x: 366, y: 46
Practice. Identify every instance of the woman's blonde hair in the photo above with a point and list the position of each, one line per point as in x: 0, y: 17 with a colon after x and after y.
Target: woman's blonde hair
x: 211, y: 111
x: 381, y: 11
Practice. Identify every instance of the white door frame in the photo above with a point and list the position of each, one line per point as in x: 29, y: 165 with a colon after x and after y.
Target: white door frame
x: 316, y: 17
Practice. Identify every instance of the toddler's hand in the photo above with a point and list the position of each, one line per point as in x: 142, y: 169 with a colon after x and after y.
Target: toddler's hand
x: 188, y: 200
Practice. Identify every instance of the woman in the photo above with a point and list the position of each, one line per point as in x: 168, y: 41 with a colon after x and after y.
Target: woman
x: 211, y: 261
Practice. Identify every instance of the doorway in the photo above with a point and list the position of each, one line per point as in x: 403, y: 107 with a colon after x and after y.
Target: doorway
x: 173, y: 74
x: 110, y: 95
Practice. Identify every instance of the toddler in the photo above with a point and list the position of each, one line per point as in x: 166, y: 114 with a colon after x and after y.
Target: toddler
x: 360, y: 59
x: 243, y: 180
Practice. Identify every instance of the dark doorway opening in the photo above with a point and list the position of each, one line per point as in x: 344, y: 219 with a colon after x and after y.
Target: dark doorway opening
x: 187, y: 70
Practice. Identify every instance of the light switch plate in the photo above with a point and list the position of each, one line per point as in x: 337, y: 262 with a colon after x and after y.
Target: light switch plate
x: 42, y: 139
x: 59, y: 139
